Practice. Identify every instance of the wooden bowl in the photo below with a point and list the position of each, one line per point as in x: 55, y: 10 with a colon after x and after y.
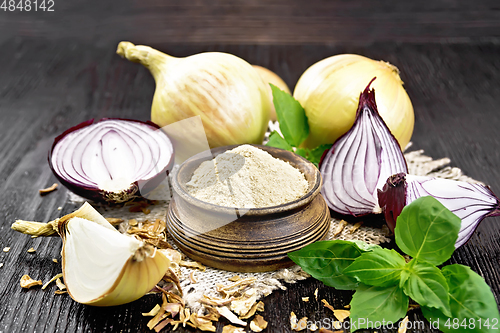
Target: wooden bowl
x: 243, y: 239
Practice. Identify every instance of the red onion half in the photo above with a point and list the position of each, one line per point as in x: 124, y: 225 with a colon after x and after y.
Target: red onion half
x: 470, y: 202
x: 360, y: 161
x: 112, y: 160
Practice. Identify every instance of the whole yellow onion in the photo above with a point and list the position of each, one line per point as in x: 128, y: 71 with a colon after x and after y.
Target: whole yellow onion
x: 329, y: 92
x: 224, y: 90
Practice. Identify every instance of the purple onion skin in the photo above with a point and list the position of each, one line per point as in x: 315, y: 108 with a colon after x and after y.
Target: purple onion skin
x: 372, y: 154
x: 392, y: 198
x: 94, y: 193
x: 470, y: 202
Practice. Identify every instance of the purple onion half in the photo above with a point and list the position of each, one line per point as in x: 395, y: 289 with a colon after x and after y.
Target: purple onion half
x: 360, y: 161
x: 112, y: 160
x: 470, y: 202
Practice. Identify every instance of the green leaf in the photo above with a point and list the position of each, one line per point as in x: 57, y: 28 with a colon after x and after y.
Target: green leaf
x: 427, y: 286
x: 313, y: 155
x: 304, y: 152
x: 276, y: 140
x: 291, y: 116
x: 381, y: 267
x: 316, y: 153
x: 373, y: 306
x: 405, y: 275
x: 473, y: 306
x: 427, y: 231
x: 365, y: 246
x: 326, y: 261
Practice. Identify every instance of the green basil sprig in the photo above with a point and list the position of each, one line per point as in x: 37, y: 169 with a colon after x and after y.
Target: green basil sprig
x: 294, y: 127
x: 327, y: 260
x: 451, y: 298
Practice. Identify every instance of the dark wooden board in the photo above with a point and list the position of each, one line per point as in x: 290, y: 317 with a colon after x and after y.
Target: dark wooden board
x: 47, y: 87
x: 57, y: 71
x: 258, y: 22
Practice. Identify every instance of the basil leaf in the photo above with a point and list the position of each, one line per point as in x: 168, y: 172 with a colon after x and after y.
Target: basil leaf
x: 304, y: 152
x: 326, y: 261
x: 313, y: 155
x: 473, y: 306
x: 427, y: 286
x: 376, y: 306
x: 276, y: 140
x: 365, y: 246
x: 427, y: 230
x: 405, y: 275
x: 381, y: 267
x: 317, y: 153
x: 291, y: 116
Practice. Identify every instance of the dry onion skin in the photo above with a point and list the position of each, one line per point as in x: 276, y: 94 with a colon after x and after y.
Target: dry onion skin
x: 112, y: 160
x: 329, y: 92
x: 224, y: 90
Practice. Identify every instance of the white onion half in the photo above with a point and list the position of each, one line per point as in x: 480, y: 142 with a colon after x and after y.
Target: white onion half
x: 103, y: 267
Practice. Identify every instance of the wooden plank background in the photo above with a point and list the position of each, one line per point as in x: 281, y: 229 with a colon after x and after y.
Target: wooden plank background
x: 60, y: 68
x: 260, y: 22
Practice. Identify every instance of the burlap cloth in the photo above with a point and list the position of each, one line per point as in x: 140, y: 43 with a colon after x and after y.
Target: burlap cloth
x: 266, y: 283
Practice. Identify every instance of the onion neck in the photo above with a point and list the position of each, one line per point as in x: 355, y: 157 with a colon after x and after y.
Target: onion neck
x: 367, y: 101
x: 496, y: 212
x: 150, y: 58
x: 36, y: 229
x: 391, y: 68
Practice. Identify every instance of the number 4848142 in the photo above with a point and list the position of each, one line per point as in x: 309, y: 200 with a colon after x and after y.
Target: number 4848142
x: 27, y: 5
x: 471, y: 323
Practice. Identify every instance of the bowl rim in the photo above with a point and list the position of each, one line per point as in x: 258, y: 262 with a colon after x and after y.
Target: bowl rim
x: 180, y: 190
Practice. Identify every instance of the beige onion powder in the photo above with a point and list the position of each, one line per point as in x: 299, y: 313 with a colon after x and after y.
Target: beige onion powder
x: 247, y: 177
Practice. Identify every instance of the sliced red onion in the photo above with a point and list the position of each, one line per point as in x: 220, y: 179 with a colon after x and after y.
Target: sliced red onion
x: 360, y: 161
x: 112, y: 160
x: 470, y: 202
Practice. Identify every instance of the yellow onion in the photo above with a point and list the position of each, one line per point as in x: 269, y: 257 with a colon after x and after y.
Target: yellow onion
x: 271, y: 77
x: 224, y: 90
x: 101, y: 266
x: 329, y: 92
